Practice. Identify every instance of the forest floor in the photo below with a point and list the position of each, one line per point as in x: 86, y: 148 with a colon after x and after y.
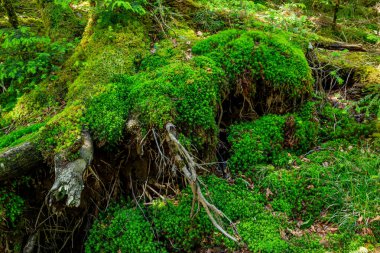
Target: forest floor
x: 276, y: 141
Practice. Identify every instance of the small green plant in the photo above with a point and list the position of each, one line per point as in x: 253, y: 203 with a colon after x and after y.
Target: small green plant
x: 29, y: 58
x: 134, y: 6
x: 25, y: 60
x: 11, y: 207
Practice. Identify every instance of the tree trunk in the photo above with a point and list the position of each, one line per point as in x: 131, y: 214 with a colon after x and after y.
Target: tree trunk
x: 19, y: 161
x: 336, y: 9
x: 12, y: 17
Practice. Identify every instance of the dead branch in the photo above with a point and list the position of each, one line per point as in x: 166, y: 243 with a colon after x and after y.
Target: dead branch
x: 340, y: 46
x: 185, y: 161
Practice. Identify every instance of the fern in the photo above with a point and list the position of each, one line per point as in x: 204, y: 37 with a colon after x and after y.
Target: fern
x: 134, y: 6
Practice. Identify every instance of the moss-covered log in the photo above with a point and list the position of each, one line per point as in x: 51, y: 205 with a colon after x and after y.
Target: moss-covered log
x: 19, y: 161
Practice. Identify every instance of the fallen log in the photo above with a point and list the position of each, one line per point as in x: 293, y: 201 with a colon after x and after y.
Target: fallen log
x: 339, y: 46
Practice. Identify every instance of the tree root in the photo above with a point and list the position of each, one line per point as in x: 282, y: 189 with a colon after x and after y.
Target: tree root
x: 69, y: 175
x: 19, y: 160
x: 185, y: 161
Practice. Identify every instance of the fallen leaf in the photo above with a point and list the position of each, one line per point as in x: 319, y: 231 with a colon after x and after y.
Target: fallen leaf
x: 268, y: 193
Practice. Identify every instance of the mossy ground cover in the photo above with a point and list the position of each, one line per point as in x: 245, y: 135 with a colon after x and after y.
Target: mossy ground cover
x: 291, y: 172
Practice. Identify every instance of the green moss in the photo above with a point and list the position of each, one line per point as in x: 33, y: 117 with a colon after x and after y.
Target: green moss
x: 16, y: 137
x: 172, y: 221
x: 269, y: 139
x: 107, y: 113
x: 122, y: 229
x: 257, y: 142
x: 60, y: 21
x: 262, y: 233
x: 63, y: 132
x: 109, y: 52
x: 180, y: 93
x: 255, y: 59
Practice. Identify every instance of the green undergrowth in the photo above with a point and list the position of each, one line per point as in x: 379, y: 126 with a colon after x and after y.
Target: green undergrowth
x: 11, y: 208
x: 27, y: 59
x: 339, y: 179
x: 167, y: 223
x: 270, y: 139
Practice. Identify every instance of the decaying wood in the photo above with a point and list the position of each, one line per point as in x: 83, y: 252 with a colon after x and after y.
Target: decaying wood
x: 341, y: 46
x: 185, y: 161
x: 19, y: 161
x: 69, y: 175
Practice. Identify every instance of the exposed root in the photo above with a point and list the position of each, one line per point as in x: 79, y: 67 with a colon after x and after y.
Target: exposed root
x: 69, y: 175
x: 185, y: 161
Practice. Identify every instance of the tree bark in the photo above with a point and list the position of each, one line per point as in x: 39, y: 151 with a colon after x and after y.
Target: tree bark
x: 336, y: 9
x: 12, y: 17
x: 68, y: 184
x: 19, y: 161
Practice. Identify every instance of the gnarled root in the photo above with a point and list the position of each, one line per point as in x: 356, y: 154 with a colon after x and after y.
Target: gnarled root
x: 68, y: 175
x: 185, y: 161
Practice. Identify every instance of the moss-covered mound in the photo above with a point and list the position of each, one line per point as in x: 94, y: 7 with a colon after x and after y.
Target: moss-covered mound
x: 265, y: 68
x: 188, y: 92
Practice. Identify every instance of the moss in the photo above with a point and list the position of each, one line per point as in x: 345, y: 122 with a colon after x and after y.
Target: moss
x: 16, y: 137
x: 260, y: 63
x: 262, y: 234
x: 107, y: 113
x: 122, y: 229
x: 172, y: 219
x: 370, y: 77
x: 109, y: 52
x: 181, y: 93
x: 269, y: 139
x: 257, y: 142
x: 61, y: 22
x: 62, y: 132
